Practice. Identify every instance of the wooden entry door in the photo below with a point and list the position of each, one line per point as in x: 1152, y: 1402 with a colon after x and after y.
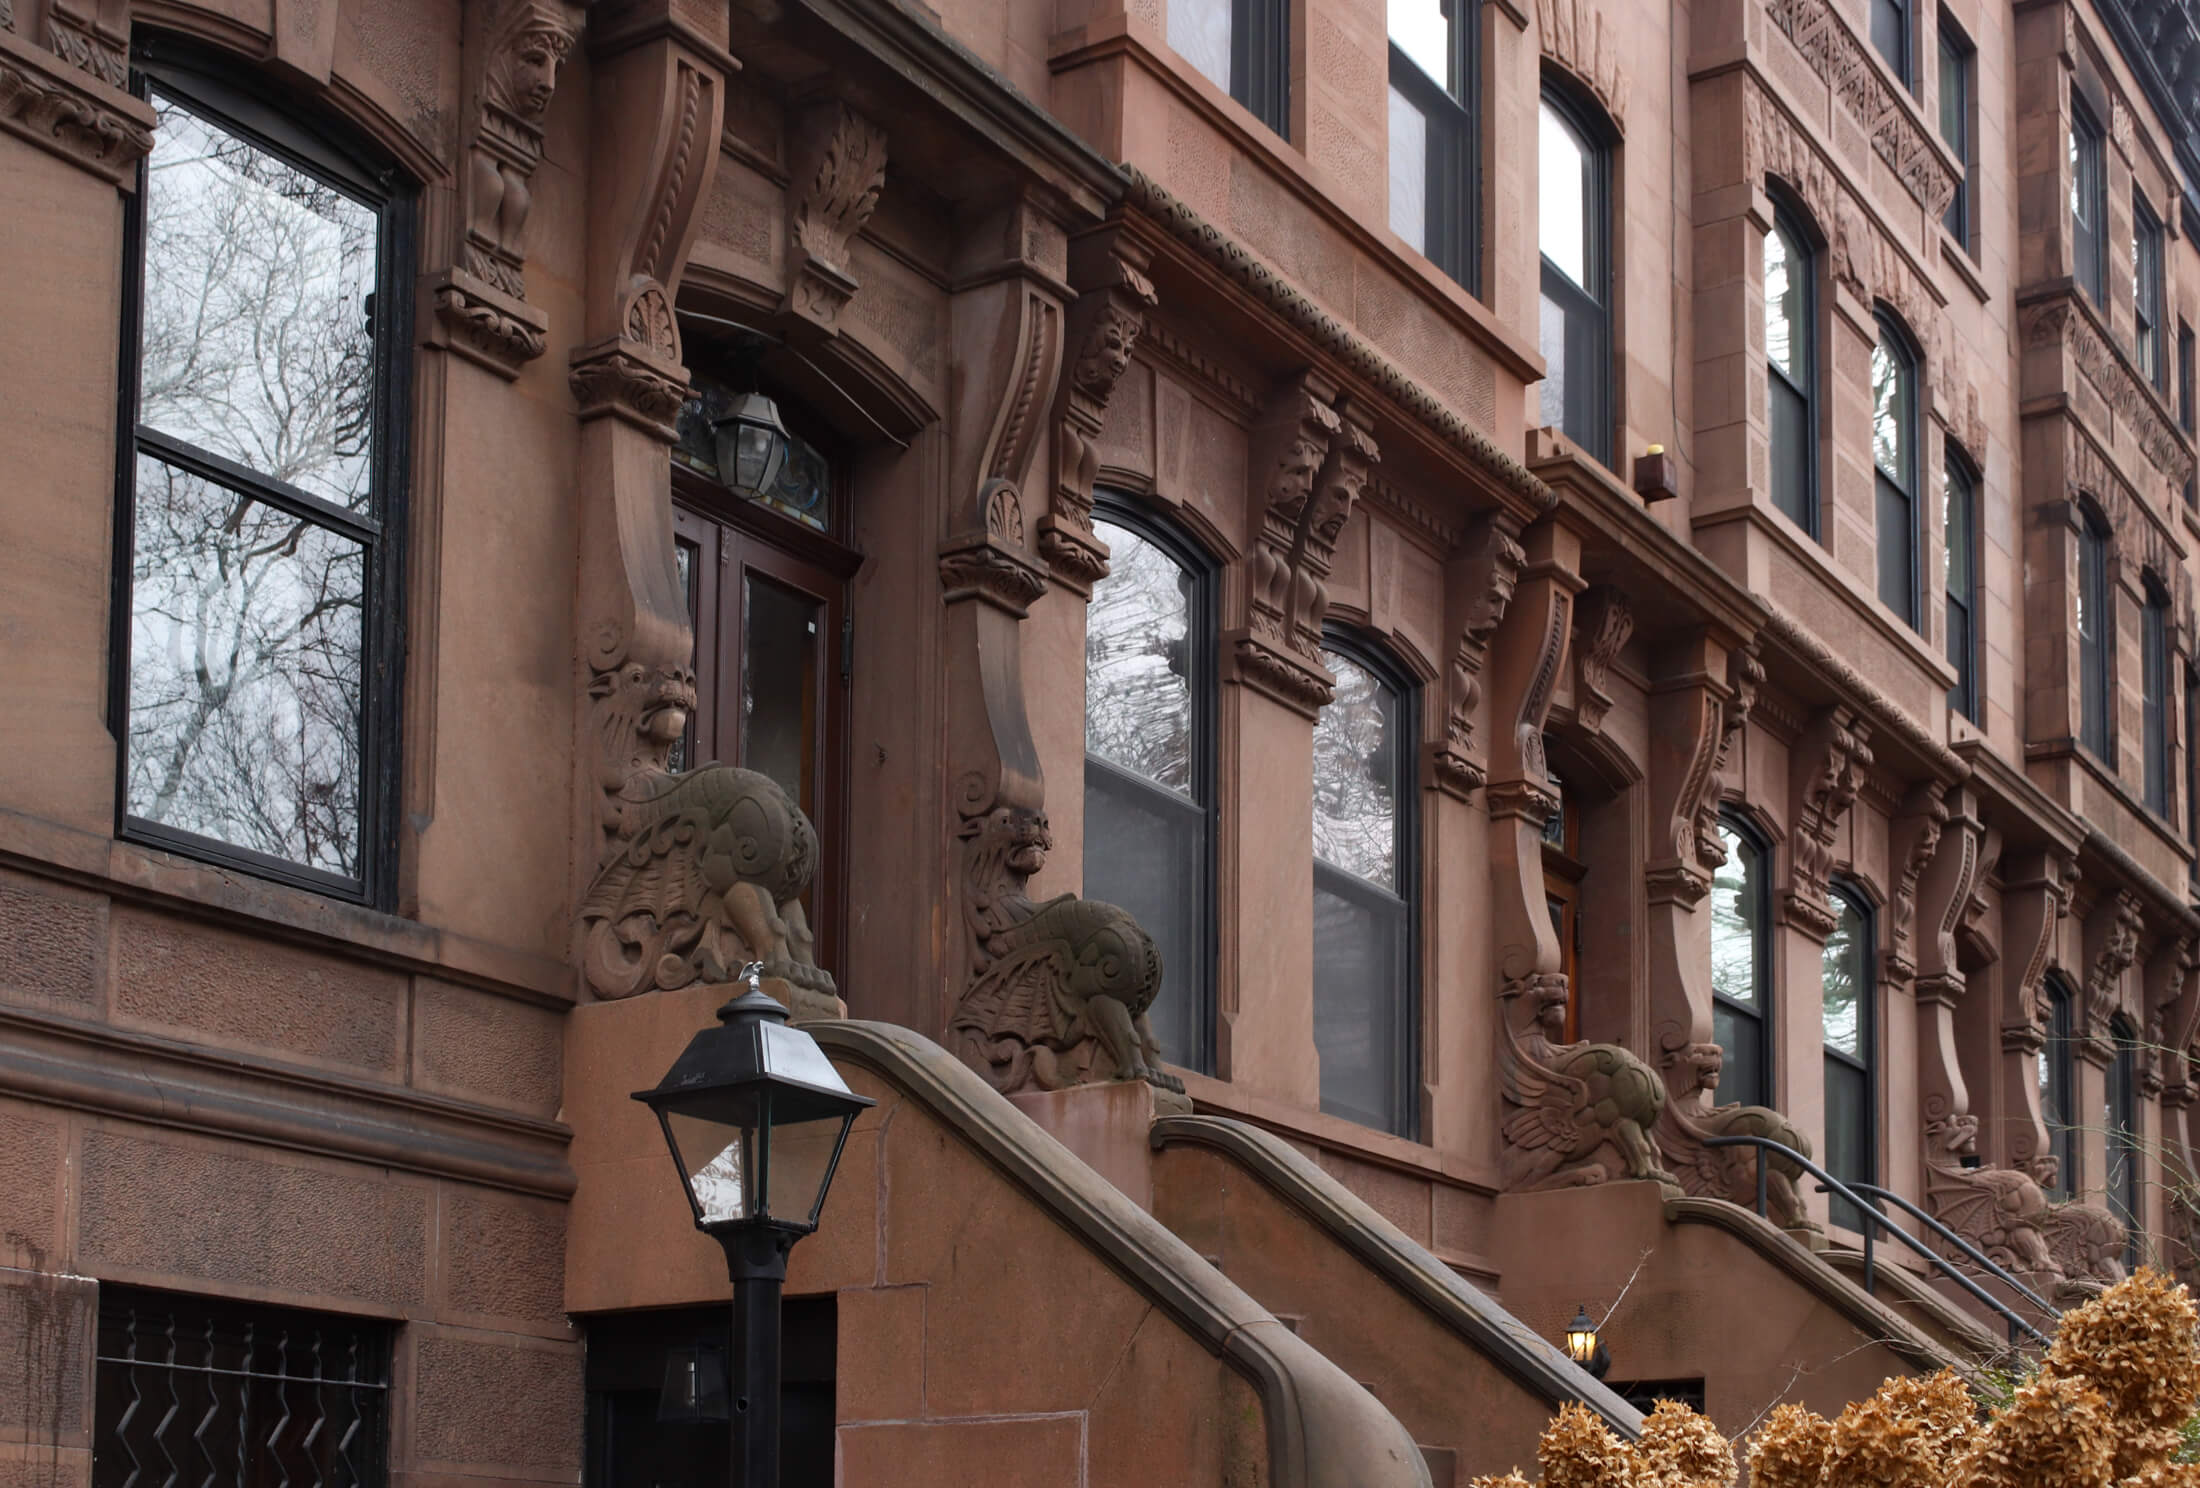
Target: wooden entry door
x: 771, y: 655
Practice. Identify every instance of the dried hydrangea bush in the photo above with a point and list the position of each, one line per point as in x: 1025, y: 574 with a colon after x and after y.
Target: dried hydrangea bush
x: 2109, y: 1407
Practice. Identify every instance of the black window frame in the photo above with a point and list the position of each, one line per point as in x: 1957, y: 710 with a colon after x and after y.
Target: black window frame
x: 1794, y: 228
x: 2192, y: 759
x: 1452, y: 110
x: 2125, y: 1145
x: 2059, y: 1063
x: 1599, y: 140
x: 1203, y: 660
x: 1899, y: 34
x: 2154, y: 686
x: 1962, y: 647
x: 311, y: 137
x: 2089, y: 189
x: 1959, y: 64
x: 2148, y: 314
x: 1851, y: 896
x: 2097, y: 643
x: 2185, y: 400
x: 1369, y: 654
x: 1260, y: 60
x: 1760, y: 1018
x: 1904, y: 486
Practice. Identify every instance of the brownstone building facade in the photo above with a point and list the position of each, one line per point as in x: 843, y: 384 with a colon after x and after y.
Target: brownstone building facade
x: 1320, y: 641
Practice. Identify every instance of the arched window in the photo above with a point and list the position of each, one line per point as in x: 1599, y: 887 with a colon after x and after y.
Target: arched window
x: 1574, y: 194
x: 1365, y: 1007
x: 1895, y: 457
x: 2154, y: 693
x: 1741, y: 964
x: 261, y: 502
x: 1960, y: 535
x: 2096, y: 637
x: 2122, y: 1119
x: 1851, y: 1039
x: 1791, y: 367
x: 2058, y: 1084
x: 1150, y: 761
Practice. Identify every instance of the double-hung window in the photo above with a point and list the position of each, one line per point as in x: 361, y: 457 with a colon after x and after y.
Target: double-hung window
x: 1366, y: 1010
x: 1244, y: 46
x: 1741, y: 966
x: 2154, y: 693
x: 1894, y: 455
x: 1850, y: 1036
x: 2058, y: 1084
x: 1958, y: 63
x: 2125, y: 1148
x: 1960, y: 523
x: 1891, y: 21
x: 1150, y: 762
x: 261, y: 487
x: 2185, y: 399
x: 2146, y: 295
x: 2088, y: 202
x: 1434, y: 154
x: 2096, y: 630
x: 1791, y: 367
x: 1573, y: 185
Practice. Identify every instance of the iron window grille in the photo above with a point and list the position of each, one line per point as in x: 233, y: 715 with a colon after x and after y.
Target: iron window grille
x: 1960, y: 522
x: 258, y: 629
x: 1442, y: 109
x: 218, y: 1394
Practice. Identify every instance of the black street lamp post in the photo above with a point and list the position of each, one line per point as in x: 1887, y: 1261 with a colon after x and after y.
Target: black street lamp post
x: 756, y: 1117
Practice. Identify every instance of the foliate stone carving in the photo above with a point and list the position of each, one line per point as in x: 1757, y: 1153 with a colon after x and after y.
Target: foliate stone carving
x: 1745, y: 676
x: 1688, y: 725
x: 498, y: 334
x: 2061, y: 321
x: 1573, y: 33
x: 1482, y: 581
x: 87, y: 43
x: 1603, y: 621
x: 839, y: 168
x: 1826, y: 768
x: 1898, y: 134
x: 50, y: 107
x: 1692, y: 1073
x: 2112, y: 944
x: 622, y: 380
x: 2001, y: 1211
x: 1104, y: 326
x: 1914, y: 838
x: 1574, y: 1114
x: 1060, y: 990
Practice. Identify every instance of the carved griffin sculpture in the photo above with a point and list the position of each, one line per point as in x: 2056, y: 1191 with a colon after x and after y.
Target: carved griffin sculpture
x: 2000, y: 1210
x: 1575, y: 1114
x: 705, y: 871
x: 1728, y: 1172
x: 2088, y: 1243
x: 1060, y: 990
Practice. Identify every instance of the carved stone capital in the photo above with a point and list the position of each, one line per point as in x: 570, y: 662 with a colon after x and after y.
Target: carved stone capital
x: 839, y: 168
x: 1105, y: 323
x: 624, y: 380
x: 987, y: 569
x: 68, y: 112
x: 1528, y: 799
x: 484, y: 325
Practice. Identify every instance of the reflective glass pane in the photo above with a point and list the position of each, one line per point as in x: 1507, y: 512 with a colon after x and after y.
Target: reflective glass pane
x: 1737, y: 921
x: 720, y: 1161
x: 1552, y: 394
x: 1360, y: 1002
x: 1787, y: 337
x: 779, y: 702
x: 804, y: 486
x: 1199, y: 31
x: 1957, y: 530
x: 1896, y: 541
x: 1891, y: 34
x: 1847, y: 980
x: 683, y: 558
x: 1955, y: 90
x: 1893, y: 397
x: 1848, y: 1133
x: 258, y: 281
x: 1742, y: 1039
x: 1145, y: 851
x: 1422, y: 31
x: 245, y: 672
x: 1355, y: 775
x: 801, y: 1158
x: 1794, y: 445
x: 1408, y: 171
x: 1562, y: 177
x: 1138, y: 699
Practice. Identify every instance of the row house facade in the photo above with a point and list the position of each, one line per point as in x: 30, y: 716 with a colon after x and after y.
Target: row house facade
x: 1325, y: 643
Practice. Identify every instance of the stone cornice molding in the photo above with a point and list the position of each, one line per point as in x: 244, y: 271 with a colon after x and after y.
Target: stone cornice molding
x: 838, y: 171
x: 1899, y: 133
x: 74, y: 114
x: 1573, y: 34
x: 1788, y: 634
x: 1105, y: 323
x: 1270, y: 289
x: 2061, y: 317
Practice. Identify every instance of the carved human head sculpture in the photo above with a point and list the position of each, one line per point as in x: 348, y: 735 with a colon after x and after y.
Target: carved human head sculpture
x: 524, y: 70
x: 1107, y: 352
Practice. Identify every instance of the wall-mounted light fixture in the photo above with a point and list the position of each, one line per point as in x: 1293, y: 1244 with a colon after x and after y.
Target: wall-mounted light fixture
x: 1584, y: 1347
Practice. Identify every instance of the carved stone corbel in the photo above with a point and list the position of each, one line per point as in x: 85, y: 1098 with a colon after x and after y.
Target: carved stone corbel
x: 72, y: 113
x: 2035, y: 894
x: 1603, y: 620
x: 513, y: 53
x: 1104, y: 325
x: 1744, y: 676
x: 2111, y: 945
x: 1690, y: 712
x: 2169, y: 978
x: 838, y: 170
x: 1826, y: 768
x: 1478, y: 587
x: 1914, y: 837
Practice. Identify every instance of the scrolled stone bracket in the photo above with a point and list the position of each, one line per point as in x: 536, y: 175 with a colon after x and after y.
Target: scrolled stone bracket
x: 73, y: 114
x: 1105, y: 323
x: 1483, y: 577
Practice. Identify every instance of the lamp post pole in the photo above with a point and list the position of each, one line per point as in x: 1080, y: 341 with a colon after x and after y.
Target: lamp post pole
x: 757, y: 1262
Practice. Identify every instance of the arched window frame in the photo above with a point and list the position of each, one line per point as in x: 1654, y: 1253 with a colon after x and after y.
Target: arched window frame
x: 2125, y: 1144
x: 1963, y: 584
x: 2154, y: 691
x: 1733, y: 1020
x: 2059, y: 1082
x: 2095, y: 632
x: 1403, y: 898
x: 1899, y: 508
x: 1587, y: 411
x: 316, y: 140
x: 1191, y: 977
x: 1850, y: 898
x: 1795, y: 440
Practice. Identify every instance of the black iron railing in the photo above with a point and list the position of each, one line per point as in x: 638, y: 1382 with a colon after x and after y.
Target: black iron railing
x: 1874, y: 1220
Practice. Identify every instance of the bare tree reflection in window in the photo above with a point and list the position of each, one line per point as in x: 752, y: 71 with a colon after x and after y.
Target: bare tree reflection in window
x: 1138, y: 710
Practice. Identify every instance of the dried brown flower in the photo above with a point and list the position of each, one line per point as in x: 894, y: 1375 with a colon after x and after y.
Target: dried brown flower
x: 2055, y: 1431
x: 1680, y: 1449
x: 2134, y: 1343
x: 1508, y: 1480
x: 1579, y: 1451
x: 1791, y: 1450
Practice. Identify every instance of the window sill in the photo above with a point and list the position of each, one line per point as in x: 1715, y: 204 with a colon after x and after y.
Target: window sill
x: 1966, y: 268
x: 2057, y: 750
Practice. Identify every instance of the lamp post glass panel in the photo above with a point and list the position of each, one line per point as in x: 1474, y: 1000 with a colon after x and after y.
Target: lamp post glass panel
x: 755, y: 1116
x: 1584, y: 1347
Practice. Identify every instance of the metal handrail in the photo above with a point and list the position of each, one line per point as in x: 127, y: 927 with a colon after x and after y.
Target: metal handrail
x: 1999, y: 1273
x: 1872, y: 1216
